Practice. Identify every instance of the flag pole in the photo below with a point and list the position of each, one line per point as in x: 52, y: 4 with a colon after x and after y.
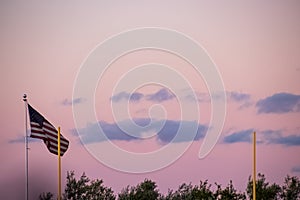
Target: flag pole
x: 254, y: 166
x: 59, y: 164
x: 26, y: 148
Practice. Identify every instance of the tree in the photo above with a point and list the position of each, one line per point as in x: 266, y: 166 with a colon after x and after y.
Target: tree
x: 229, y: 193
x: 83, y: 189
x: 291, y: 188
x: 46, y: 196
x: 189, y: 192
x: 143, y: 191
x: 264, y: 191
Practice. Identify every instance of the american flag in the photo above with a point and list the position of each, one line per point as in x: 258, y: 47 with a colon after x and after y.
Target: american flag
x: 42, y: 129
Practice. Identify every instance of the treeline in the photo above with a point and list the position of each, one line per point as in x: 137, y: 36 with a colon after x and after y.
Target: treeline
x: 86, y: 189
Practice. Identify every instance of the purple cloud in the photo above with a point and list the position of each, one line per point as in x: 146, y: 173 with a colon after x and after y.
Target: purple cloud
x: 238, y: 96
x: 169, y: 131
x: 290, y: 140
x: 133, y: 97
x: 21, y: 139
x: 239, y: 136
x: 90, y: 134
x: 162, y: 95
x: 296, y: 169
x: 67, y: 102
x: 268, y: 137
x: 159, y: 96
x: 279, y: 103
x: 243, y: 99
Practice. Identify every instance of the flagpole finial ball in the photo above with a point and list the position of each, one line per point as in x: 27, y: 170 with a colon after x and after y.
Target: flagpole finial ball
x: 24, y: 97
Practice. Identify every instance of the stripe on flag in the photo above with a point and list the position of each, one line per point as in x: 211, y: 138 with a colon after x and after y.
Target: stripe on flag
x: 42, y: 129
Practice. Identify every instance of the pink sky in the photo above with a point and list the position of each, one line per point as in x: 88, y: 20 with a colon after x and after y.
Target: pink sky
x: 255, y: 45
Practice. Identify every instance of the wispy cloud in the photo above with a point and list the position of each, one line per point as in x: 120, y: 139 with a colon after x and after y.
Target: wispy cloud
x: 244, y: 99
x: 162, y: 95
x: 290, y: 140
x: 67, y: 102
x: 239, y: 136
x: 200, y: 97
x: 265, y: 136
x: 296, y: 169
x: 238, y: 96
x: 169, y: 131
x: 136, y: 96
x: 133, y: 97
x: 21, y: 139
x: 279, y: 103
x: 165, y: 94
x: 166, y: 134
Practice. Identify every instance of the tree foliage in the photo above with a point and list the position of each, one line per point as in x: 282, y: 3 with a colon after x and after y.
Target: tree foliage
x: 189, y: 192
x: 143, y: 191
x: 46, y: 196
x: 264, y: 191
x: 228, y: 193
x: 85, y: 189
x: 291, y: 188
x: 204, y: 191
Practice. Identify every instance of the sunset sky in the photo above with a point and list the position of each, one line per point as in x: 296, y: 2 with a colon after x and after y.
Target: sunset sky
x: 254, y: 45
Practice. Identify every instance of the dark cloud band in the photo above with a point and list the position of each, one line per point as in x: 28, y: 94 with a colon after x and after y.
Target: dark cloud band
x: 165, y: 135
x: 279, y: 103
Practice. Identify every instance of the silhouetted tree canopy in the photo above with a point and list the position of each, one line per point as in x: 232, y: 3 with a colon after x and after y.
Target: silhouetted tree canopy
x: 291, y: 188
x: 143, y: 191
x: 46, y: 196
x: 264, y: 190
x: 85, y: 189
